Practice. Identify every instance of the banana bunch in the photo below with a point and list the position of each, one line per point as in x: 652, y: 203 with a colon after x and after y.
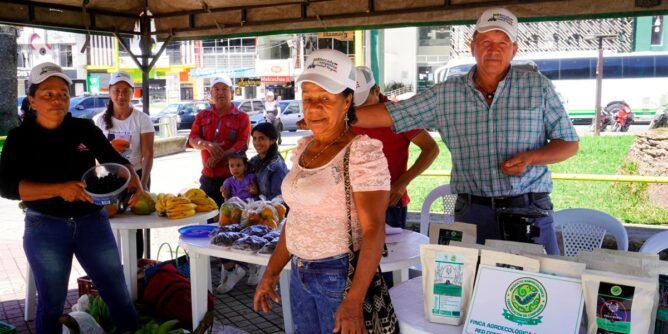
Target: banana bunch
x: 165, y: 328
x: 174, y: 207
x: 99, y: 311
x: 198, y: 197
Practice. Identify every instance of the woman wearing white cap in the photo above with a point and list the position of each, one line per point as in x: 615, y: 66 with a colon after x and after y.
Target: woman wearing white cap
x: 317, y: 230
x: 130, y: 132
x: 41, y: 164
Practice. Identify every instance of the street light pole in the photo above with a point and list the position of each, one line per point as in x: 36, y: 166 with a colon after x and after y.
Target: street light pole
x: 599, y: 80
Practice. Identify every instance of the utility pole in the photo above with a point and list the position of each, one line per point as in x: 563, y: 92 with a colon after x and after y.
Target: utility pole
x: 599, y: 79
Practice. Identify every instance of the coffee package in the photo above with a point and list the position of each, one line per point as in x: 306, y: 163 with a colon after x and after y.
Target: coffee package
x: 448, y: 273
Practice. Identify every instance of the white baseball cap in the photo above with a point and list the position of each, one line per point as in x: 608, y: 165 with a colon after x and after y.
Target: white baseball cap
x: 44, y: 71
x: 365, y: 82
x: 223, y: 79
x: 498, y: 19
x: 269, y: 93
x: 330, y: 69
x: 121, y: 77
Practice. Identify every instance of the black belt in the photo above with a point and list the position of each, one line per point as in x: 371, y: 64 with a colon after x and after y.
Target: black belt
x: 506, y: 201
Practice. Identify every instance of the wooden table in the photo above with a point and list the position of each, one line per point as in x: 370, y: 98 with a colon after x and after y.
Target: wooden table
x: 403, y: 253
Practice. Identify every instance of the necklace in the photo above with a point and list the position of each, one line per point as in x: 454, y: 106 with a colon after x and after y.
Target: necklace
x: 488, y: 95
x: 301, y: 157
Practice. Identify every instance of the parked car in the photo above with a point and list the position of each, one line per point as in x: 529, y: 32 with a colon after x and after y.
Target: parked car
x: 88, y: 106
x: 290, y: 115
x: 19, y: 102
x: 137, y: 104
x: 184, y: 110
x: 250, y: 106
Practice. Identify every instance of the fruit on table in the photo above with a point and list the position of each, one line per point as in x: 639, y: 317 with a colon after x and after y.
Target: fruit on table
x: 112, y: 210
x: 145, y: 205
x: 195, y: 193
x: 204, y: 204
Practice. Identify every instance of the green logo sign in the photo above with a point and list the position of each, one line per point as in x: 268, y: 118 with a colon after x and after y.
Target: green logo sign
x: 525, y: 301
x: 616, y: 290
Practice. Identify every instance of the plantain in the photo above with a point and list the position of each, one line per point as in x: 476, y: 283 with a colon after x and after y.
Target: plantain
x: 195, y: 193
x: 182, y: 207
x: 205, y: 208
x: 180, y: 214
x: 200, y: 200
x: 166, y: 326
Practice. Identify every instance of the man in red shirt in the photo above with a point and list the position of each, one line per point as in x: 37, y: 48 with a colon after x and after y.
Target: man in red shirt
x: 219, y: 132
x: 395, y: 148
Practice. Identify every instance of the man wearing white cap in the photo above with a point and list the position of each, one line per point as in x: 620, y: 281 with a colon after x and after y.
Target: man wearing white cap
x: 503, y: 125
x: 219, y: 132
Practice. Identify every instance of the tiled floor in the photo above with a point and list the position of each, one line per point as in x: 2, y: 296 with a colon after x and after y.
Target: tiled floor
x: 233, y: 309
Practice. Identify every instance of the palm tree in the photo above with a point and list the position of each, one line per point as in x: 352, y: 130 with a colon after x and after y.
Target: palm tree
x: 8, y: 108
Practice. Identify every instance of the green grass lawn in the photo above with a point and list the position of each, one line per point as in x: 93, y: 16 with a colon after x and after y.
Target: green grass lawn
x: 597, y: 155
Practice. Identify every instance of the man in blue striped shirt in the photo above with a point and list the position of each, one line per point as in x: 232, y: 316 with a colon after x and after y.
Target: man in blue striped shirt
x: 502, y: 124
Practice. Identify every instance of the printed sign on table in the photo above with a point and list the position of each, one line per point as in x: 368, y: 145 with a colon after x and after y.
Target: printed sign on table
x: 512, y: 301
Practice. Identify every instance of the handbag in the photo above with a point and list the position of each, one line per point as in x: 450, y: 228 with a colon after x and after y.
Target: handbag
x: 182, y: 263
x: 378, y: 312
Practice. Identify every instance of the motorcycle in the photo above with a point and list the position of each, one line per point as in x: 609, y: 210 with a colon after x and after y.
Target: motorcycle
x: 617, y: 115
x: 624, y: 117
x: 606, y: 118
x: 660, y: 120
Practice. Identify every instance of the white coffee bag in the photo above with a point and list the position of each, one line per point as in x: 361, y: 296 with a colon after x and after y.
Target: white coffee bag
x: 507, y: 260
x: 560, y: 266
x: 619, y: 303
x: 516, y: 247
x: 444, y: 234
x: 448, y: 274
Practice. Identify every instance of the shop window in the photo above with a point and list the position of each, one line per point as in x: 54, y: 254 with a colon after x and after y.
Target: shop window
x: 65, y: 55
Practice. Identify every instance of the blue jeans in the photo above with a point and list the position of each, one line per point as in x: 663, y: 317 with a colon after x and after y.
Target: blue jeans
x: 395, y: 215
x: 50, y: 242
x: 485, y: 218
x: 316, y: 291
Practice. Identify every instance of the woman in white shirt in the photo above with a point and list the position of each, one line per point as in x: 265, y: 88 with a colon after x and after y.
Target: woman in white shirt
x: 316, y: 235
x: 130, y: 132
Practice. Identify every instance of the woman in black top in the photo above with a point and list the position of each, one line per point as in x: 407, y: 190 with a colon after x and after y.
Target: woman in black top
x: 42, y: 163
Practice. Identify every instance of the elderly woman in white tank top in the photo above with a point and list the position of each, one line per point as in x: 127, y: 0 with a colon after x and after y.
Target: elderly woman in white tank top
x: 316, y: 237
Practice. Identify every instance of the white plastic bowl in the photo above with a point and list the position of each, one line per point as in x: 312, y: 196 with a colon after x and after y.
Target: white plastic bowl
x: 100, y: 171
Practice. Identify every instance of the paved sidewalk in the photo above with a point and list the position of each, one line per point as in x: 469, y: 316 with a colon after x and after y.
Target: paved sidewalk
x: 171, y: 174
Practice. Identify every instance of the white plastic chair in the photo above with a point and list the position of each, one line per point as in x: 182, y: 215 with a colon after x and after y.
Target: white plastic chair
x: 656, y: 243
x: 448, y: 200
x: 585, y: 229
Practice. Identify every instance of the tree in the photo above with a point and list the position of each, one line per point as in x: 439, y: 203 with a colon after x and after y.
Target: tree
x: 8, y: 107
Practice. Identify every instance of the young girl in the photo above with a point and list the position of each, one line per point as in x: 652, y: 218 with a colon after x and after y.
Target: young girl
x: 240, y: 184
x: 244, y: 186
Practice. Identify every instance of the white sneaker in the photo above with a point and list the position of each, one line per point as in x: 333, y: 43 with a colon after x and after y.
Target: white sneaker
x: 230, y: 278
x: 255, y: 273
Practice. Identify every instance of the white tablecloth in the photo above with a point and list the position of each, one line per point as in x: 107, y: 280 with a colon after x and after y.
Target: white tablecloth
x: 404, y: 252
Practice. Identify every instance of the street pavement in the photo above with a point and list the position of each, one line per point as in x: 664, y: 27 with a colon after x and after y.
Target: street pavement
x: 171, y: 174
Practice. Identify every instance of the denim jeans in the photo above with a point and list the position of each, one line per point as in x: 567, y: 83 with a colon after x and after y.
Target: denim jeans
x: 316, y: 291
x: 395, y: 215
x: 50, y: 242
x: 485, y: 218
